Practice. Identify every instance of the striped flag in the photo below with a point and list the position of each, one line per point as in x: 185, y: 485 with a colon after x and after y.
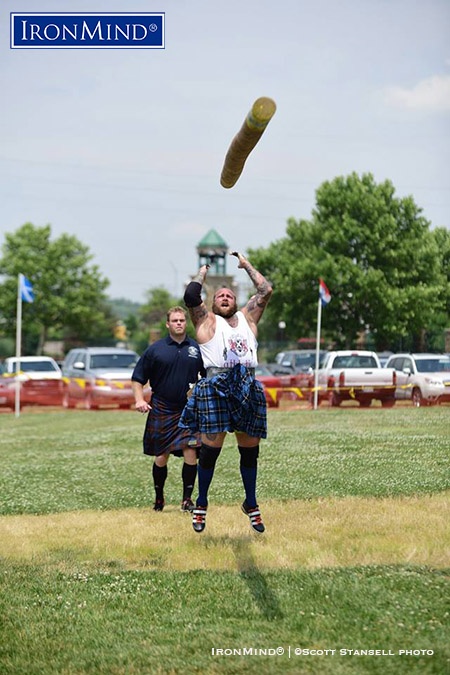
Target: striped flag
x: 324, y: 293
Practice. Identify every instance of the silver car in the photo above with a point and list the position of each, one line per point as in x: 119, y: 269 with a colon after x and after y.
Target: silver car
x: 422, y: 378
x: 98, y: 376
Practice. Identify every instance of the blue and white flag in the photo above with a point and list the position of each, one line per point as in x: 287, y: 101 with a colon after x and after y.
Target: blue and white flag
x: 325, y: 295
x: 26, y: 289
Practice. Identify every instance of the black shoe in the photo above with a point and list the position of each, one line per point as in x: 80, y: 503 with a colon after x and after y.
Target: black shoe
x: 255, y: 517
x: 187, y: 505
x: 158, y: 505
x: 199, y: 518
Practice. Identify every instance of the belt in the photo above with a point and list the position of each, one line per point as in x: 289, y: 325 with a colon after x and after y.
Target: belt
x: 215, y: 370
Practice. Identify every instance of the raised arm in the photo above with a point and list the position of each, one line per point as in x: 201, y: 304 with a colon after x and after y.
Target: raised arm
x: 204, y: 321
x: 256, y: 305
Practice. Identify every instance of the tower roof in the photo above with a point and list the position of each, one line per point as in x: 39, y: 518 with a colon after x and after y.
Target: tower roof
x: 213, y: 239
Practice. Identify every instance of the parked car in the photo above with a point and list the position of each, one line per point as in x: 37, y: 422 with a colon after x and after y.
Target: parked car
x: 98, y: 376
x: 383, y: 357
x: 355, y: 375
x: 300, y: 364
x: 422, y: 378
x: 40, y: 380
x: 299, y: 360
x: 278, y: 369
x: 36, y: 367
x: 277, y: 386
x: 271, y: 383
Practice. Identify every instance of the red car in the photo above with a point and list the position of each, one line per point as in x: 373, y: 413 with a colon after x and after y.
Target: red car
x: 276, y: 387
x: 33, y: 391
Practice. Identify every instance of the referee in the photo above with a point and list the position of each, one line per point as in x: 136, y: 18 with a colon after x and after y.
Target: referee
x: 171, y: 366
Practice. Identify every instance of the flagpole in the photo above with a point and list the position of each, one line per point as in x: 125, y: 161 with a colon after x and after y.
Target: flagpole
x: 316, y: 372
x: 18, y: 342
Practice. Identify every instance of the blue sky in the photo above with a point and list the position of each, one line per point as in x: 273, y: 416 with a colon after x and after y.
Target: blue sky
x: 124, y: 148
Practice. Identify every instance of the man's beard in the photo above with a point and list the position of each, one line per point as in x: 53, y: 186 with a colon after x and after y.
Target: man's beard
x: 225, y: 312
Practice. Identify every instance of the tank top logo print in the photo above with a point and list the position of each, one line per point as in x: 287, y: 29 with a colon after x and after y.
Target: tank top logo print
x: 230, y: 345
x: 238, y: 345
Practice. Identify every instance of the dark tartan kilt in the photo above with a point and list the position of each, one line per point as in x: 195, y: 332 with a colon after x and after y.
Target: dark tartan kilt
x: 218, y: 405
x: 162, y: 433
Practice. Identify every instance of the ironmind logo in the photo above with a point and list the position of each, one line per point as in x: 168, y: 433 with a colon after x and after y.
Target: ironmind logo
x: 92, y: 30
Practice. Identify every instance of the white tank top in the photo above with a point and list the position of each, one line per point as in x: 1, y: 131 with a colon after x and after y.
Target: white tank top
x: 230, y: 346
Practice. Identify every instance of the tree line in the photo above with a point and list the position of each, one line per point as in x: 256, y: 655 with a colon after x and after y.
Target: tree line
x: 387, y: 269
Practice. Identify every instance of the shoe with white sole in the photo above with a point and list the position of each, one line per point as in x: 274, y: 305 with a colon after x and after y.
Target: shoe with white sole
x: 255, y: 517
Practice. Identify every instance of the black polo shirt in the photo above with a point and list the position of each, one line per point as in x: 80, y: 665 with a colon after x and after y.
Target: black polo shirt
x: 170, y: 367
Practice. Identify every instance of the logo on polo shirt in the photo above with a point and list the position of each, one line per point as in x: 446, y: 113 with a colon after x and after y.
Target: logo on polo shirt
x: 193, y: 352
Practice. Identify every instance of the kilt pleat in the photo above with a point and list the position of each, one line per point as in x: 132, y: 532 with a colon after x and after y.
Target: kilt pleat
x: 229, y: 401
x: 162, y: 433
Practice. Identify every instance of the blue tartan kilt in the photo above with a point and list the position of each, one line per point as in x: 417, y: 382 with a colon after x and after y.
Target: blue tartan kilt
x: 231, y: 401
x: 162, y: 433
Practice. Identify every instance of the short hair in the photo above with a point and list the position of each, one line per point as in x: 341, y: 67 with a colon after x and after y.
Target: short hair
x: 173, y: 310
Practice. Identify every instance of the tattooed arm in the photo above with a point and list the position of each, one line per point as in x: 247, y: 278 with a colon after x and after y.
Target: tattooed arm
x: 204, y: 321
x: 256, y: 305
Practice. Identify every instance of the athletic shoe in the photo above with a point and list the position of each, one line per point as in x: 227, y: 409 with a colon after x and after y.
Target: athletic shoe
x: 187, y: 505
x: 158, y: 505
x: 199, y: 518
x: 255, y: 517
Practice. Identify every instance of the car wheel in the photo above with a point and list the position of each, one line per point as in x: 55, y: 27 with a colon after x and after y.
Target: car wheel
x: 365, y: 402
x: 333, y: 399
x: 88, y: 404
x: 417, y: 399
x: 387, y: 402
x: 67, y: 401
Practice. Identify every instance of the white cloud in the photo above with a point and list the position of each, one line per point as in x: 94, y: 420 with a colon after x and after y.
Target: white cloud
x: 430, y: 94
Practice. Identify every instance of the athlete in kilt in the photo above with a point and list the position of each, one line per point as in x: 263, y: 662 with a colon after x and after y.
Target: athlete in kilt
x: 172, y: 366
x: 229, y: 398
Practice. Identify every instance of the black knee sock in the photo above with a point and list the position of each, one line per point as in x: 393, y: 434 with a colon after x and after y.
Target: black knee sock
x: 249, y: 471
x: 206, y: 465
x: 188, y: 475
x: 159, y: 478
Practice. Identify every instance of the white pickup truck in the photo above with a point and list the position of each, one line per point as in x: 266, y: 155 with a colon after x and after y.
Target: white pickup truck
x: 355, y: 375
x: 34, y: 367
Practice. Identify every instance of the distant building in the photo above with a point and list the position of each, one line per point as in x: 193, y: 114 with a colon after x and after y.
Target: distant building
x: 213, y: 251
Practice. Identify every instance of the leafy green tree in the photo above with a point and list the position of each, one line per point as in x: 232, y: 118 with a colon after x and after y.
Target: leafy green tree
x: 157, y: 302
x: 385, y: 269
x: 440, y: 322
x: 442, y: 238
x: 123, y: 308
x: 69, y: 291
x: 152, y: 317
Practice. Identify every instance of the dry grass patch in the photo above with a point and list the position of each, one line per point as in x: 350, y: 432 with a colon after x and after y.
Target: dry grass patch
x: 311, y: 534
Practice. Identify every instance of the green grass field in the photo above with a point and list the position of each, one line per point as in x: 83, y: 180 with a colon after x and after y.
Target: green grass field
x: 355, y: 558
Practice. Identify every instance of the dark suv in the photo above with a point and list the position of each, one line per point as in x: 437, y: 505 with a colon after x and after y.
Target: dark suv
x: 299, y: 360
x: 97, y: 376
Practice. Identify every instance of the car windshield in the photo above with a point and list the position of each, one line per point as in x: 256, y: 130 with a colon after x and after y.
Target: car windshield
x: 262, y: 370
x: 113, y: 361
x: 433, y: 365
x: 354, y: 361
x: 305, y: 361
x: 37, y: 366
